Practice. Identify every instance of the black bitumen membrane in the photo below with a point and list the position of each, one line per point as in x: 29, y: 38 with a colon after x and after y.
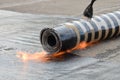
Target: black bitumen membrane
x: 20, y: 32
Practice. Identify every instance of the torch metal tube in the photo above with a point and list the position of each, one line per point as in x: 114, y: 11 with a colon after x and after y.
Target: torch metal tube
x: 69, y: 35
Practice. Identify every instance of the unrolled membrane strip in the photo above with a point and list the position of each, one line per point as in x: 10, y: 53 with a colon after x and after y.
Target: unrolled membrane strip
x: 68, y: 35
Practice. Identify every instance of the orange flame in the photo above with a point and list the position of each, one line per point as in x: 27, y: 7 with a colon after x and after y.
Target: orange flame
x: 42, y: 56
x: 36, y: 56
x: 82, y: 45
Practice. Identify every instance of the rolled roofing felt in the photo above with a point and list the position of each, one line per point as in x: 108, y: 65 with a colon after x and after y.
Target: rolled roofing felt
x: 68, y: 35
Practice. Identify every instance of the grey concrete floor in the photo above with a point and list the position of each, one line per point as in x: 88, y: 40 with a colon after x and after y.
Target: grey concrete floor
x: 61, y: 7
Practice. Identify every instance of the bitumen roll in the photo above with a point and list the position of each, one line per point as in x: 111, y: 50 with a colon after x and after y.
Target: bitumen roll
x: 68, y: 35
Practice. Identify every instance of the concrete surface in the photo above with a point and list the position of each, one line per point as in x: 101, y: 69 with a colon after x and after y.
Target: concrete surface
x: 20, y: 32
x: 61, y: 7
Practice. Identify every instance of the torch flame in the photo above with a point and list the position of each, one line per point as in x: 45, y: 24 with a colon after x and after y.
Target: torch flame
x: 36, y: 56
x: 42, y: 56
